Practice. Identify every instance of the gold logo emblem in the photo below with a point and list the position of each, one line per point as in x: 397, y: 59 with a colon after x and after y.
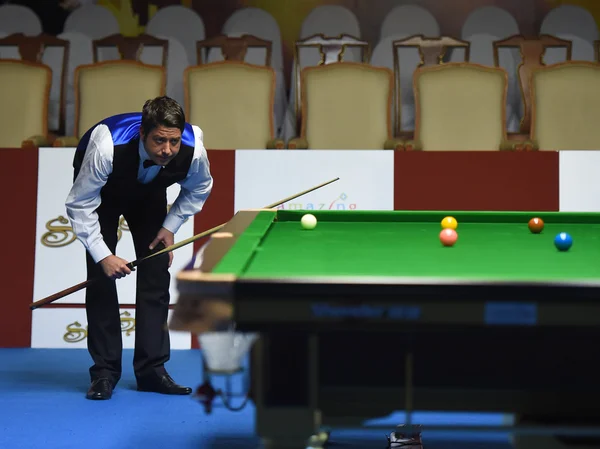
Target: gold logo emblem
x: 76, y: 332
x: 127, y: 323
x: 60, y: 234
x: 123, y: 226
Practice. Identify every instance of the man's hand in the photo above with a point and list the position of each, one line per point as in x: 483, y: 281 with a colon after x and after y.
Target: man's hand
x: 114, y: 267
x: 165, y: 237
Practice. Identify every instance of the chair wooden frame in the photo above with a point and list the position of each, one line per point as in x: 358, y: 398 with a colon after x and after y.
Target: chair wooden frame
x: 273, y: 143
x: 390, y: 143
x: 431, y: 51
x: 481, y: 67
x: 31, y: 49
x: 130, y: 48
x: 552, y: 67
x: 324, y: 43
x: 31, y: 141
x: 532, y: 52
x: 127, y: 62
x: 234, y: 48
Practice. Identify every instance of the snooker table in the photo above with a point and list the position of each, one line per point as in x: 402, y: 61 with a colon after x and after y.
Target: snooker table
x: 369, y: 313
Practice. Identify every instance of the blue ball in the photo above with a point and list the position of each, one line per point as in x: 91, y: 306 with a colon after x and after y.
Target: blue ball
x: 563, y: 241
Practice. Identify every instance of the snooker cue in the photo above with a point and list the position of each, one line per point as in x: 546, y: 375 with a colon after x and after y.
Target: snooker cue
x: 135, y: 263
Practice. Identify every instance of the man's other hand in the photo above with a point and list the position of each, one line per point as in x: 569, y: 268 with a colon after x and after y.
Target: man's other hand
x: 165, y: 237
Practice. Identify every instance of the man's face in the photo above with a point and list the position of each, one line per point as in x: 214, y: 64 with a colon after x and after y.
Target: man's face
x: 162, y: 144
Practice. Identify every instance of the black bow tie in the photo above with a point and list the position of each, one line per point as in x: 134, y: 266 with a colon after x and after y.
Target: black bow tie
x: 149, y: 163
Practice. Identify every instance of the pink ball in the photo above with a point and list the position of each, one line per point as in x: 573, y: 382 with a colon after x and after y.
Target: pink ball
x: 448, y: 237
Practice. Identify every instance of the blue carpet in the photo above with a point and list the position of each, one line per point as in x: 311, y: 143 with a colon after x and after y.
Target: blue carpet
x: 42, y: 405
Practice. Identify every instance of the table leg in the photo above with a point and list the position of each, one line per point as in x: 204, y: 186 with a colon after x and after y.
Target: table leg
x: 409, y: 388
x: 285, y: 389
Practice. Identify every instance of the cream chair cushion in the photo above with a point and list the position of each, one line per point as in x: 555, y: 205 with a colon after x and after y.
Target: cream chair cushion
x: 566, y: 106
x: 25, y: 92
x: 346, y: 105
x: 460, y: 106
x: 114, y: 87
x: 232, y: 102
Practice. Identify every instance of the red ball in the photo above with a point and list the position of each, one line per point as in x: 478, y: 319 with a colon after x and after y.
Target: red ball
x: 448, y: 237
x: 536, y: 225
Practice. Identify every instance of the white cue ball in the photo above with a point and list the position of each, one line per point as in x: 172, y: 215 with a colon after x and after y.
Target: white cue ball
x: 309, y: 221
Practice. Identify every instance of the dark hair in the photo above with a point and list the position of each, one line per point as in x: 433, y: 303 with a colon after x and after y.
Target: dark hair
x: 162, y: 111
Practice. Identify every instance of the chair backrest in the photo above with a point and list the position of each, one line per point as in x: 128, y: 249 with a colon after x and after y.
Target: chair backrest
x: 232, y: 102
x: 25, y: 92
x: 114, y: 87
x: 32, y: 49
x: 565, y: 100
x: 460, y: 106
x: 347, y: 105
x: 331, y: 49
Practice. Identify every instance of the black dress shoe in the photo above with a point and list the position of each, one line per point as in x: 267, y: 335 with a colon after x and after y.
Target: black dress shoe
x: 100, y: 389
x: 162, y: 384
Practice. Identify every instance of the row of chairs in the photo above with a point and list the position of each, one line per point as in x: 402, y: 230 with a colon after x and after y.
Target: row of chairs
x: 341, y: 105
x: 459, y: 106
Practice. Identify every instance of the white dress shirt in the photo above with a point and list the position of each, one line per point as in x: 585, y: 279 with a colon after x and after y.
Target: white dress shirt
x: 84, y: 197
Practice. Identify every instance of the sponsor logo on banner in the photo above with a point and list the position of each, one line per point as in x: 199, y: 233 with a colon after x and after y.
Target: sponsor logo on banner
x: 339, y: 203
x: 365, y: 179
x: 67, y: 327
x: 60, y: 234
x: 76, y: 332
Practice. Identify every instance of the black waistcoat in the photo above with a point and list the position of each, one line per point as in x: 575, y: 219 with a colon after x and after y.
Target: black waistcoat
x: 123, y: 186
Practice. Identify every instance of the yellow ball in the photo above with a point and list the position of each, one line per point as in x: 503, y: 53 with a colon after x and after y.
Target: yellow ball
x: 449, y: 223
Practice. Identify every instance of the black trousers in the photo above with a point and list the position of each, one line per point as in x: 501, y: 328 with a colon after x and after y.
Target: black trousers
x: 144, y: 215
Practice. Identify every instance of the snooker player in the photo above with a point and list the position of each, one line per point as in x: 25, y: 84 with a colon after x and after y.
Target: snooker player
x: 123, y: 166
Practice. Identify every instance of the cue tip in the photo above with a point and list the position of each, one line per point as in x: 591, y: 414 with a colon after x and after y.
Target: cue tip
x: 220, y: 235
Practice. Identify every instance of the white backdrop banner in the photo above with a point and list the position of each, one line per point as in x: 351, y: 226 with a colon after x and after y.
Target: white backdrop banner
x: 579, y: 183
x: 67, y: 328
x: 366, y: 179
x: 60, y: 257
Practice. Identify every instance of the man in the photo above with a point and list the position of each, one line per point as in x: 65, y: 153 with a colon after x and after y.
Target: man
x: 123, y: 166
